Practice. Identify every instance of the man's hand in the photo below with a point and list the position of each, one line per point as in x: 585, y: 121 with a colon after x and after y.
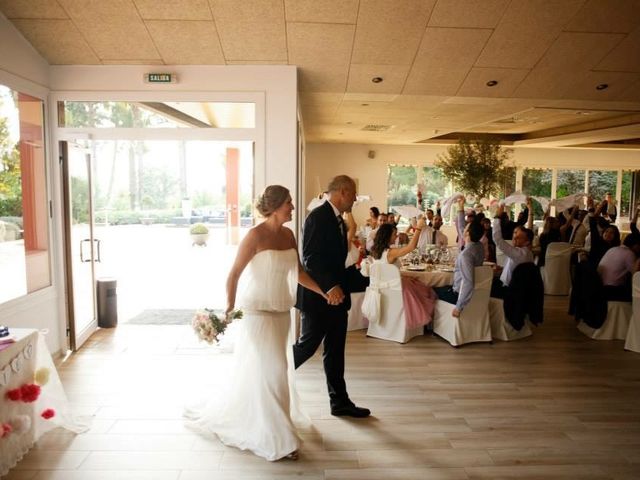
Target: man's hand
x: 421, y: 224
x: 335, y: 295
x: 455, y: 313
x: 500, y: 210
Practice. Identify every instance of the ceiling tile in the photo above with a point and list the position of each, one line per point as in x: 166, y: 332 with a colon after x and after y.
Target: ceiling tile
x: 389, y: 33
x: 468, y: 13
x: 58, y: 41
x: 475, y: 85
x: 445, y: 57
x: 321, y: 11
x: 174, y: 9
x: 186, y: 42
x: 632, y: 93
x: 257, y: 62
x: 313, y: 98
x: 619, y: 82
x: 251, y: 29
x: 106, y: 24
x: 322, y: 53
x: 32, y: 9
x: 393, y: 77
x: 625, y: 57
x: 565, y: 64
x: 526, y: 31
x: 604, y: 16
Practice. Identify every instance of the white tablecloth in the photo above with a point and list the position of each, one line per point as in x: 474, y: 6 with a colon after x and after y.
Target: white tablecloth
x: 435, y: 278
x: 26, y: 365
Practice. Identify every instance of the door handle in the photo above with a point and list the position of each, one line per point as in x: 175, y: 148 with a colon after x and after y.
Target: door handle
x: 82, y: 242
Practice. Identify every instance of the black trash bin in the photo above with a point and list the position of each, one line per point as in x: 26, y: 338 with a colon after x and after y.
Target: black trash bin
x: 107, y: 302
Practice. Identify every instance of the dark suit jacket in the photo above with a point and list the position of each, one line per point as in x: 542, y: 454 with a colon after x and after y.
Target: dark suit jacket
x: 324, y: 251
x: 525, y: 296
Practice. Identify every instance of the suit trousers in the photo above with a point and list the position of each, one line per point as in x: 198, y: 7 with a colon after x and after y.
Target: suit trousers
x: 329, y: 325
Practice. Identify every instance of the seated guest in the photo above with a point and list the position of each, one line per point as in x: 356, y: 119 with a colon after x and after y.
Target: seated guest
x: 488, y: 244
x: 357, y: 282
x: 609, y: 210
x: 519, y: 252
x: 472, y: 256
x: 462, y: 220
x: 433, y: 235
x: 418, y: 299
x: 574, y: 229
x: 617, y: 266
x: 600, y: 243
x: 508, y: 226
x: 372, y: 221
x: 550, y: 233
x: 382, y: 219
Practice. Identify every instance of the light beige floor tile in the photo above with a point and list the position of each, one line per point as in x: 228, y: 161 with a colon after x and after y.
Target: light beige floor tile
x: 397, y: 474
x: 537, y: 472
x: 51, y: 460
x: 423, y: 457
x: 107, y: 475
x: 152, y: 461
x: 117, y: 442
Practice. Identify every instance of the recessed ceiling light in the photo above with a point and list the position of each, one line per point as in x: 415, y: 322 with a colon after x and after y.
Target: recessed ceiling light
x: 492, y: 83
x: 364, y: 104
x: 349, y: 123
x: 377, y: 79
x: 602, y: 86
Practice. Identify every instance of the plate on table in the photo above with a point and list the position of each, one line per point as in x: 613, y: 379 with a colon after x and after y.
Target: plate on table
x: 445, y: 269
x: 489, y: 264
x: 416, y: 268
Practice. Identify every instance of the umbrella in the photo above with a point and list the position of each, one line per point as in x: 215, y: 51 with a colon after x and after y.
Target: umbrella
x: 408, y: 211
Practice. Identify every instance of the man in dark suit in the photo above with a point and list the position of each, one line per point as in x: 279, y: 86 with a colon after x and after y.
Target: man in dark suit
x: 324, y: 251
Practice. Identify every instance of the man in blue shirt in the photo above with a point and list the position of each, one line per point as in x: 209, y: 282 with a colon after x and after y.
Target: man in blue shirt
x: 472, y: 256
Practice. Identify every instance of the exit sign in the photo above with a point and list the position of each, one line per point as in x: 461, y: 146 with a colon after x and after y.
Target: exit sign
x: 160, y: 78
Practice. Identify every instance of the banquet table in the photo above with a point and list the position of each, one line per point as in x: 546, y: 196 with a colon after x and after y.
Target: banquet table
x: 438, y: 277
x: 32, y: 399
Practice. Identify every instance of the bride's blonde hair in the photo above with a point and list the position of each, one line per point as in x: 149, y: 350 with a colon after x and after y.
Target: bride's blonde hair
x: 271, y: 199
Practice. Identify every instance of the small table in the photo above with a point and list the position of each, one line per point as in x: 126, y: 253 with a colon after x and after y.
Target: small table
x: 27, y: 362
x: 435, y: 278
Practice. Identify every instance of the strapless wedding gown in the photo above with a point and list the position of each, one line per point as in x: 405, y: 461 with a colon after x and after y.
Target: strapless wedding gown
x: 254, y: 410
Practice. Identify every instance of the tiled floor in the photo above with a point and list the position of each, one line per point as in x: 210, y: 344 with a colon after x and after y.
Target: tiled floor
x: 555, y: 405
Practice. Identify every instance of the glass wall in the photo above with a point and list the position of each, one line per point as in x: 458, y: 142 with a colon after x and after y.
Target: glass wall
x: 436, y: 186
x: 24, y: 213
x: 602, y: 182
x: 402, y: 185
x: 570, y: 182
x: 537, y: 183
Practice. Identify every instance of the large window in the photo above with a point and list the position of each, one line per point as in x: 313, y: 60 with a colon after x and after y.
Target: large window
x: 627, y: 178
x: 570, y: 182
x: 537, y: 183
x: 436, y: 186
x: 602, y: 182
x: 24, y: 234
x: 402, y: 185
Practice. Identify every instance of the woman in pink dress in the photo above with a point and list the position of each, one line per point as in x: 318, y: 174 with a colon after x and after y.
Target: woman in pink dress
x: 418, y: 299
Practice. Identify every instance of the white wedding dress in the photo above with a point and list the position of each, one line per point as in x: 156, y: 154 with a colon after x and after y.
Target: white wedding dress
x: 254, y: 410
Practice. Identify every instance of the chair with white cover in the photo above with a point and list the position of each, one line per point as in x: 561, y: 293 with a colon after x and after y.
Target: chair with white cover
x: 616, y: 325
x: 500, y: 327
x: 556, y: 273
x: 392, y: 324
x: 473, y: 323
x: 633, y: 334
x: 355, y: 320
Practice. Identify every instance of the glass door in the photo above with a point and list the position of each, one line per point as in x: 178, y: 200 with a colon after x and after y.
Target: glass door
x: 82, y: 247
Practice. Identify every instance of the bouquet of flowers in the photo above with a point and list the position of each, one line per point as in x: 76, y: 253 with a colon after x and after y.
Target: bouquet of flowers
x: 208, y: 325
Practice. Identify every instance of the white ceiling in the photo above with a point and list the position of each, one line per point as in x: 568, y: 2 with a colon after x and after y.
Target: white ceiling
x: 435, y: 58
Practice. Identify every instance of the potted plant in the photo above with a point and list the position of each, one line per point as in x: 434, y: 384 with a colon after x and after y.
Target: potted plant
x: 199, y: 234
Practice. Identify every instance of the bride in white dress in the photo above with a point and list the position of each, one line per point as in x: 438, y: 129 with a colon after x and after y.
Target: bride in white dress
x: 256, y: 412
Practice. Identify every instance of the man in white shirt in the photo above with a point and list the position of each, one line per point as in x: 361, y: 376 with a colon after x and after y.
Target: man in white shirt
x: 382, y: 219
x: 432, y: 235
x: 519, y: 252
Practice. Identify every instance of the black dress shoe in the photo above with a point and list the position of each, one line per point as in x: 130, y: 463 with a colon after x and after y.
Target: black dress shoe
x: 350, y: 411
